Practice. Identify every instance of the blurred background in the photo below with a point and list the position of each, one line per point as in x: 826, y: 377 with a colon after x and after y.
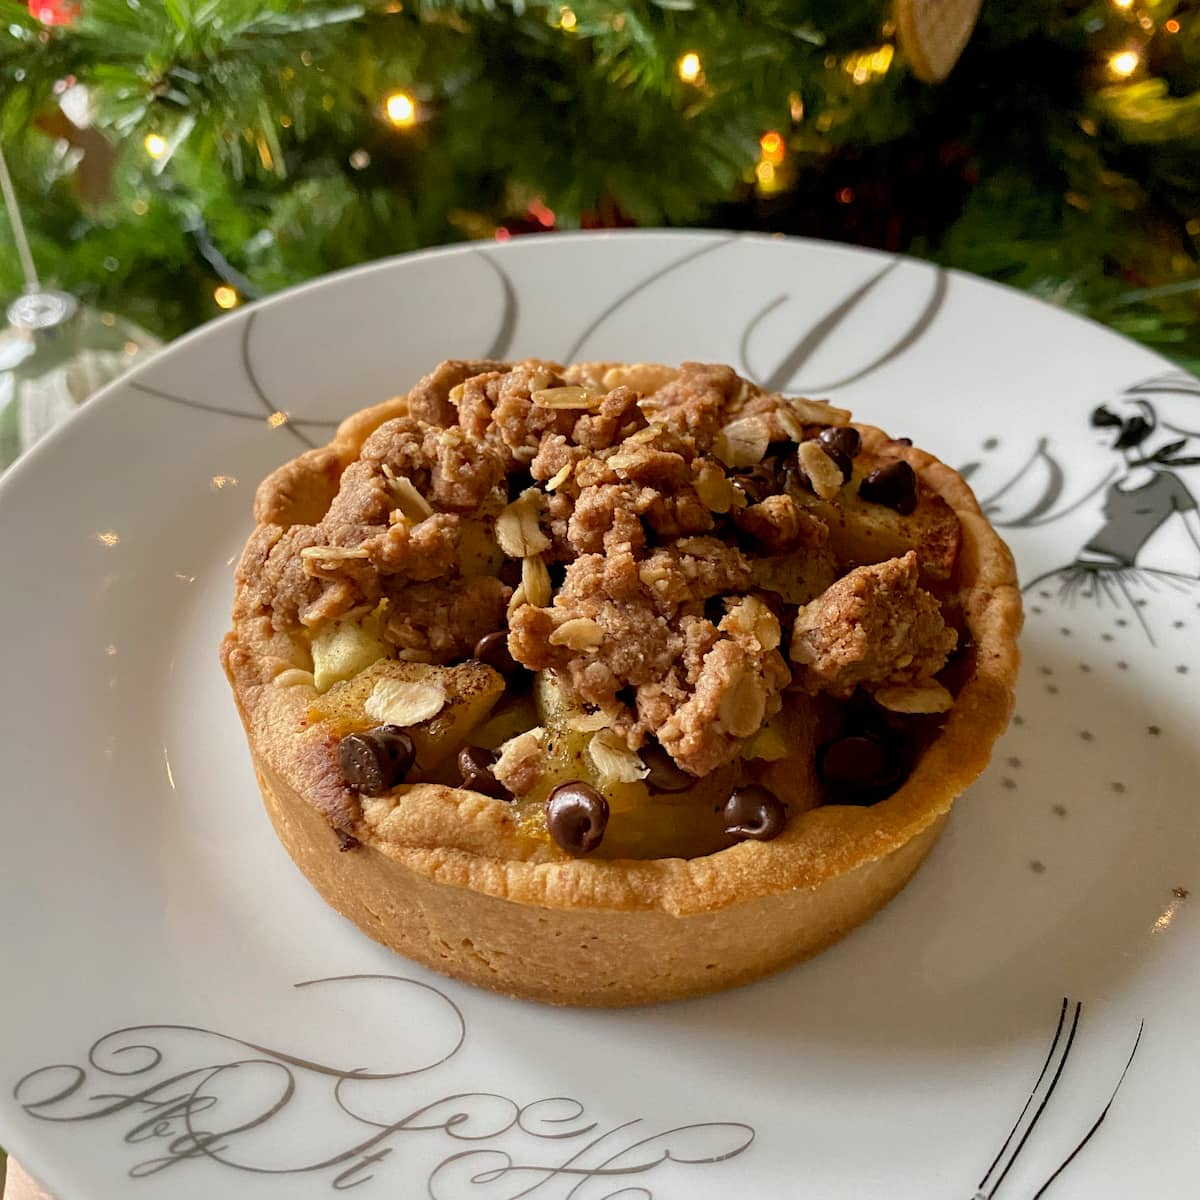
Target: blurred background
x: 177, y: 158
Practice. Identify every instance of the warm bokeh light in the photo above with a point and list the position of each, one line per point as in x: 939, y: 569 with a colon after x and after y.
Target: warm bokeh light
x: 567, y: 19
x: 690, y: 67
x: 542, y: 214
x: 772, y: 146
x: 400, y: 110
x: 226, y: 297
x: 796, y: 107
x: 1122, y: 4
x: 870, y: 64
x: 1171, y: 26
x: 156, y: 145
x: 1124, y: 64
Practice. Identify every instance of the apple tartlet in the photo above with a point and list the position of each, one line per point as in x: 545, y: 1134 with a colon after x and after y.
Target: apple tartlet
x: 607, y: 684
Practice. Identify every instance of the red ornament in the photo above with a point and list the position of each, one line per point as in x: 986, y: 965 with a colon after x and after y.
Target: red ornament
x: 55, y: 12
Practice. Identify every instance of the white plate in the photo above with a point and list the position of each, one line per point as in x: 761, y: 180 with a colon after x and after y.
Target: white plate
x: 160, y: 1033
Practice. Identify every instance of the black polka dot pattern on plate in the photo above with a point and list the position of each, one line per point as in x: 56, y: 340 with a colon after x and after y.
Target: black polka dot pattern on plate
x: 1109, y: 655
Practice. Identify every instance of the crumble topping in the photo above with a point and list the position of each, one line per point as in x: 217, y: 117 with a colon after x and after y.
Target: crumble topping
x: 656, y: 538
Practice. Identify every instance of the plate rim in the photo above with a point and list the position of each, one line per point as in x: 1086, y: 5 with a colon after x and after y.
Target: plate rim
x: 42, y: 457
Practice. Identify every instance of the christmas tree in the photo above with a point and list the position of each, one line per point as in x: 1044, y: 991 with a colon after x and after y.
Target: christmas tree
x: 178, y: 157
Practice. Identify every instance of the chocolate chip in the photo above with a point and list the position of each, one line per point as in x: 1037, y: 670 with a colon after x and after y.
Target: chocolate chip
x: 665, y: 775
x: 860, y: 768
x: 475, y: 766
x: 844, y: 439
x: 841, y: 460
x: 754, y: 812
x: 758, y: 482
x: 493, y: 650
x: 374, y: 762
x: 905, y: 441
x: 576, y: 815
x: 346, y: 841
x: 894, y: 485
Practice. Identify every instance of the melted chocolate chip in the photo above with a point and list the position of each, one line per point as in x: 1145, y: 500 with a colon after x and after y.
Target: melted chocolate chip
x: 475, y: 766
x: 493, y: 650
x: 841, y: 461
x: 894, y: 485
x: 665, y: 775
x: 759, y: 482
x: 576, y: 816
x: 754, y: 812
x: 374, y: 762
x: 843, y: 439
x: 860, y: 768
x: 346, y: 841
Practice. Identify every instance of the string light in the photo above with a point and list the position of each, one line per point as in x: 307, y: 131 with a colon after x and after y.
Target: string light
x: 1125, y: 5
x: 156, y: 145
x: 870, y: 64
x: 543, y: 215
x: 1171, y: 26
x: 796, y: 107
x: 567, y: 19
x: 400, y: 110
x: 690, y: 67
x: 226, y: 297
x: 772, y: 146
x: 769, y: 180
x: 1124, y: 64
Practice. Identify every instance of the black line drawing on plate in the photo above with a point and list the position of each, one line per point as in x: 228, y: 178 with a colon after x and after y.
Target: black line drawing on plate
x: 807, y: 344
x: 502, y: 342
x: 995, y: 1175
x: 1153, y: 433
x: 275, y: 418
x: 639, y: 286
x: 185, y: 1095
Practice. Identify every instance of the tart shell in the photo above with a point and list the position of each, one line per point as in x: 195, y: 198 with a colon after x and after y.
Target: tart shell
x: 443, y: 876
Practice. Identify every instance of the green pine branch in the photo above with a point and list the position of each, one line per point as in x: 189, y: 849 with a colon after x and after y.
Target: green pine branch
x: 1033, y: 164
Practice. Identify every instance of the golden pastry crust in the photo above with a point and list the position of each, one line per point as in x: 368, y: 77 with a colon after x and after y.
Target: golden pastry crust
x: 447, y: 878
